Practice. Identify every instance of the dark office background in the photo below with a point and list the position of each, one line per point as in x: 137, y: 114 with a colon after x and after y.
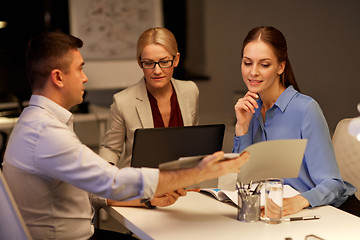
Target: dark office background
x: 24, y: 20
x: 323, y: 47
x: 28, y: 18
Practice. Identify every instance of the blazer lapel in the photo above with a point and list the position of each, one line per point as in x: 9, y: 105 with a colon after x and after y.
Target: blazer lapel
x: 184, y: 104
x: 143, y: 106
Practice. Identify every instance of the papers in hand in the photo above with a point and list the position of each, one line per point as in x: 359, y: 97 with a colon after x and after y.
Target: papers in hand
x: 273, y: 159
x: 189, y: 162
x: 268, y: 159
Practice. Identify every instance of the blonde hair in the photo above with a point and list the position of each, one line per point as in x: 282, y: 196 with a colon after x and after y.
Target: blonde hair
x: 157, y: 35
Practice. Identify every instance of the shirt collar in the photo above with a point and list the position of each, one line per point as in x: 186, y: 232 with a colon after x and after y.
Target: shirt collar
x: 60, y: 113
x: 284, y: 99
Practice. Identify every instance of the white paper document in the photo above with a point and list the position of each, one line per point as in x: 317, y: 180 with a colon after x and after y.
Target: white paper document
x: 268, y: 159
x: 273, y: 159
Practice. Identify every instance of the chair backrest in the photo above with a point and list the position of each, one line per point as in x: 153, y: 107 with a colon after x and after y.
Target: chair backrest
x: 3, y: 142
x: 347, y: 152
x: 12, y: 225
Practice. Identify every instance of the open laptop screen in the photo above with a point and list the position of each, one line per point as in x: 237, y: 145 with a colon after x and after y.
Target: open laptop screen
x: 153, y: 146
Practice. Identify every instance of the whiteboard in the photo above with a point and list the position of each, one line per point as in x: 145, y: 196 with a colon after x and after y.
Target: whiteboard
x: 110, y: 29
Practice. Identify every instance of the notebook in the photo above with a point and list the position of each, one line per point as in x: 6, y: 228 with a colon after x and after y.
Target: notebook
x: 153, y: 146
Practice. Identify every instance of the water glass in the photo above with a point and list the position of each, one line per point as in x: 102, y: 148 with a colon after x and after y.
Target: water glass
x: 274, y: 188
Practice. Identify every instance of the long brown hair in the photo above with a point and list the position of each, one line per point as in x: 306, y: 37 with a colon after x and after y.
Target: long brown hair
x: 276, y: 40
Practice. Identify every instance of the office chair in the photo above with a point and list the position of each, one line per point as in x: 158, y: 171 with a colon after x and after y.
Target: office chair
x: 347, y: 152
x: 3, y: 141
x: 12, y: 225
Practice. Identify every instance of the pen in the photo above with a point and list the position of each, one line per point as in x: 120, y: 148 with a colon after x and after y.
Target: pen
x: 301, y: 218
x: 238, y: 188
x: 258, y: 188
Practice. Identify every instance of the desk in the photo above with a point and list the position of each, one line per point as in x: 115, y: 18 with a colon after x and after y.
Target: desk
x: 7, y: 124
x: 86, y: 124
x: 83, y: 122
x: 198, y: 216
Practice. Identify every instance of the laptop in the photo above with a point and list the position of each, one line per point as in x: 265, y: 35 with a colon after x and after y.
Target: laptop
x: 153, y: 146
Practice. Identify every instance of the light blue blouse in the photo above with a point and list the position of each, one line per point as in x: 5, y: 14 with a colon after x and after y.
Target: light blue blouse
x: 297, y: 116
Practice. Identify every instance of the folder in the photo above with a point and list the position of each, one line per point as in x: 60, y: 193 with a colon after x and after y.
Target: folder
x: 268, y: 159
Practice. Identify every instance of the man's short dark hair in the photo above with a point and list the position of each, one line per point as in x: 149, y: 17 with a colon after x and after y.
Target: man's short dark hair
x: 46, y: 52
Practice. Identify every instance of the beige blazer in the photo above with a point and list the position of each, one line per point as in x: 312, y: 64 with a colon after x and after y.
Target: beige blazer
x: 131, y: 110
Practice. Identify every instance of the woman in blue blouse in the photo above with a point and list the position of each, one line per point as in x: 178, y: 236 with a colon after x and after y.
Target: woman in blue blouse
x: 273, y: 108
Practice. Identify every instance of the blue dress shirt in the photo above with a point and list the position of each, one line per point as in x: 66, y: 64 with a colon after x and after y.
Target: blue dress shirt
x: 50, y: 173
x: 297, y: 116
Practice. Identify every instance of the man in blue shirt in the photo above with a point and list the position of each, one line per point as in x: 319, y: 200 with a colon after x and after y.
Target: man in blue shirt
x: 56, y: 180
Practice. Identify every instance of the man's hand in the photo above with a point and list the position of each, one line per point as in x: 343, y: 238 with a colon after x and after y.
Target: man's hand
x: 208, y: 168
x: 212, y: 166
x: 168, y: 199
x: 164, y: 200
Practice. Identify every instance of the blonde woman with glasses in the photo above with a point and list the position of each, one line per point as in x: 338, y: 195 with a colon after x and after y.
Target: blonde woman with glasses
x: 157, y: 100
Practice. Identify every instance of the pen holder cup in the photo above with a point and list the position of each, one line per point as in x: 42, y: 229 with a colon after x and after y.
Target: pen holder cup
x: 249, y: 208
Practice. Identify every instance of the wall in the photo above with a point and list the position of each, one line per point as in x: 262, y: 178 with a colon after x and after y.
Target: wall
x: 324, y: 47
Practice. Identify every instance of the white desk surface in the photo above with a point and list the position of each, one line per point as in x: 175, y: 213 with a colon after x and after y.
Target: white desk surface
x: 7, y: 123
x: 198, y: 216
x: 96, y: 113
